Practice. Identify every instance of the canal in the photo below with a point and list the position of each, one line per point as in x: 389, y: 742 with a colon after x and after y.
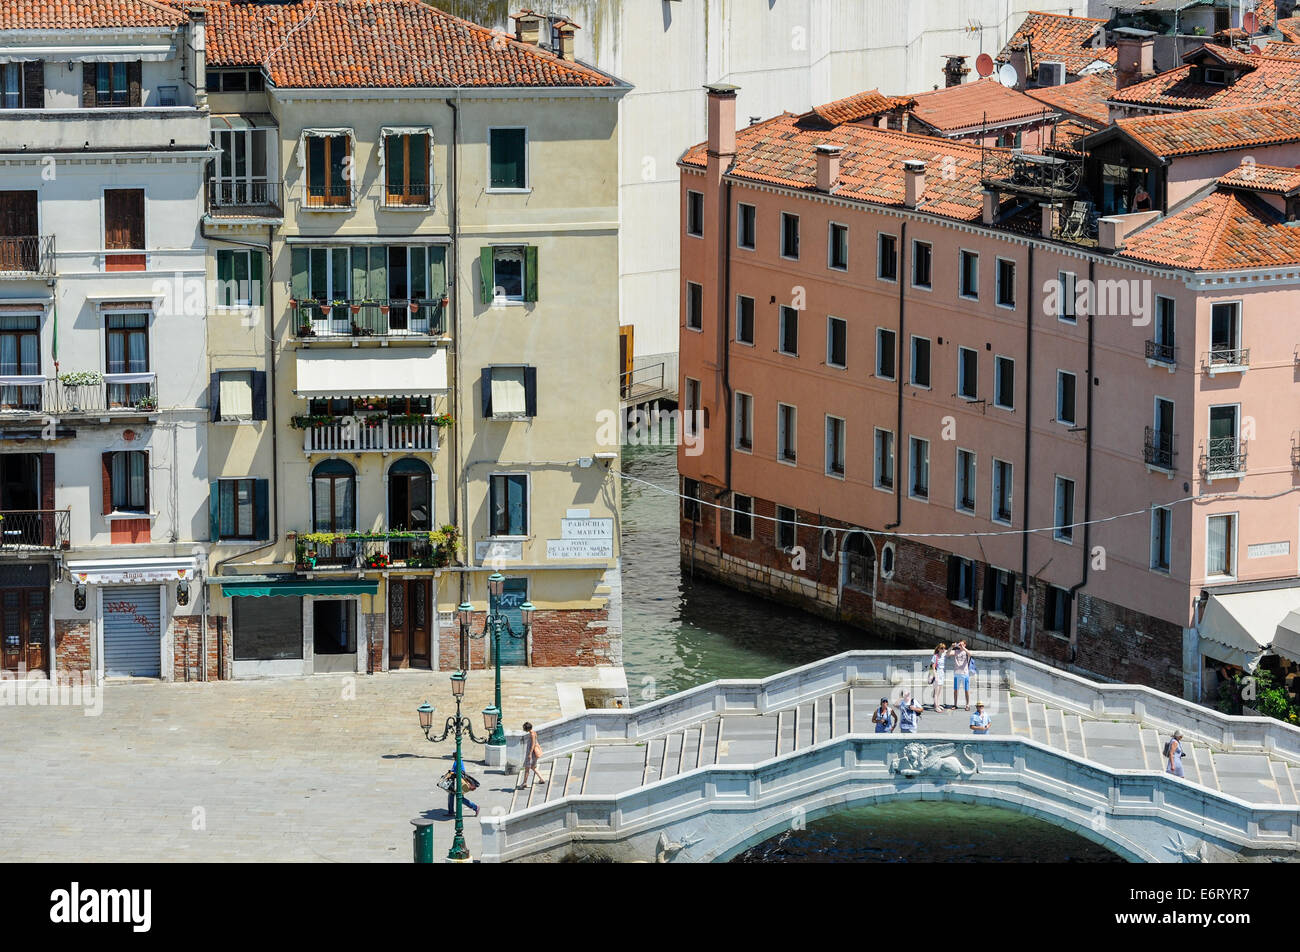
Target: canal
x: 679, y: 633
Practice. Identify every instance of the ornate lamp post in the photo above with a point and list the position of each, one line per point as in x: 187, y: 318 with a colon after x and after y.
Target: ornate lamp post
x: 497, y: 624
x: 458, y: 725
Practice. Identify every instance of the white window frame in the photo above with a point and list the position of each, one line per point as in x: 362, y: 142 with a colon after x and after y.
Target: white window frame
x: 1209, y: 423
x: 1239, y: 331
x: 749, y: 420
x: 692, y: 195
x: 880, y: 257
x: 1010, y: 492
x: 997, y: 377
x: 997, y: 283
x: 1065, y: 297
x: 893, y: 353
x: 961, y: 374
x: 497, y: 252
x: 528, y: 503
x: 830, y: 246
x: 528, y: 163
x: 878, y: 466
x: 798, y: 237
x: 238, y: 421
x: 740, y: 231
x: 831, y: 320
x: 911, y: 362
x: 917, y: 242
x: 911, y: 468
x: 961, y: 273
x: 974, y: 487
x: 1060, y: 397
x: 1058, y: 527
x: 831, y: 420
x: 792, y: 433
x: 1232, y: 560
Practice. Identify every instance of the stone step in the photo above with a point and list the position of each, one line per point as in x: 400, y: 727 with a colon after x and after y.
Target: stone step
x: 840, y: 706
x: 1074, y: 735
x: 1152, y: 745
x: 1248, y: 776
x: 709, y: 743
x: 1196, y: 756
x: 673, y: 755
x: 1295, y: 777
x: 1056, y: 728
x: 1284, y: 786
x: 537, y: 792
x: 863, y: 702
x: 1018, y: 715
x: 1037, y: 718
x: 558, y: 779
x: 1114, y: 743
x: 691, y: 749
x: 577, y: 773
x: 654, y: 759
x: 803, y: 736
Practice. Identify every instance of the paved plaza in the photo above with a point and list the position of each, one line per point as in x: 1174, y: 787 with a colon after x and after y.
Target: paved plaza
x: 330, y: 768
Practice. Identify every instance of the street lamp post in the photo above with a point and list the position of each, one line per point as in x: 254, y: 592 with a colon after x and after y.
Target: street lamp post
x: 458, y: 725
x: 496, y: 624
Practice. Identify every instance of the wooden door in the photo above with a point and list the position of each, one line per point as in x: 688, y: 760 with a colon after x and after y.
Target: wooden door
x: 625, y: 336
x: 18, y: 242
x: 410, y: 632
x: 398, y: 636
x: 23, y: 629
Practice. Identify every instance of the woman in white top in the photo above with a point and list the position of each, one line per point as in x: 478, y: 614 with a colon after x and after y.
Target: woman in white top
x: 936, y: 670
x: 1174, y: 754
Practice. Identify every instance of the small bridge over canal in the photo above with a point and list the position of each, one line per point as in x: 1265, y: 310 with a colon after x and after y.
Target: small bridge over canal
x: 703, y: 775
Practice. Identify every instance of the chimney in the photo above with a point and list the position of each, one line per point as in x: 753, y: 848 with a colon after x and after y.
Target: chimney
x: 1020, y: 59
x: 722, y: 119
x: 528, y: 27
x: 828, y: 167
x: 1134, y: 56
x: 913, y: 182
x: 199, y: 43
x: 990, y: 207
x: 566, y: 31
x: 954, y: 70
x: 1047, y: 225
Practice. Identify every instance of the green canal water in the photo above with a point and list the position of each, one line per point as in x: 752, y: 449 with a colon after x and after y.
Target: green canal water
x: 679, y: 633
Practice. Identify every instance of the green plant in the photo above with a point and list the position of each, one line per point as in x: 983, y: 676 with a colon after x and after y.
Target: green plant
x: 81, y: 378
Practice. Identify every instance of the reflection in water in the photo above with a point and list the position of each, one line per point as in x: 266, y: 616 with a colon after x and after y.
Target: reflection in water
x: 928, y: 832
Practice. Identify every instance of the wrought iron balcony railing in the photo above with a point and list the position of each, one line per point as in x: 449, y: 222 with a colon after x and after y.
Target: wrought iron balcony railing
x: 415, y: 548
x: 1227, y: 358
x: 327, y: 196
x: 397, y: 195
x: 22, y: 529
x: 29, y: 255
x: 111, y: 393
x: 228, y: 194
x: 1164, y: 353
x: 397, y: 317
x: 1158, y: 449
x: 1223, y: 456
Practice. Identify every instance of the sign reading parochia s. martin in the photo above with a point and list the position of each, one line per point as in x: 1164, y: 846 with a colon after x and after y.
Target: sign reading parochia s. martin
x: 583, y: 539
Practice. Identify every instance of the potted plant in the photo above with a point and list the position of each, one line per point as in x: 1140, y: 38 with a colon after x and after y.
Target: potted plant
x: 147, y: 403
x: 415, y: 306
x: 377, y: 560
x: 356, y: 308
x: 445, y: 300
x: 304, y: 329
x: 383, y: 309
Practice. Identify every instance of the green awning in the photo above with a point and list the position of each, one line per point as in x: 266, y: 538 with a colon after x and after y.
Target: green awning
x: 255, y: 587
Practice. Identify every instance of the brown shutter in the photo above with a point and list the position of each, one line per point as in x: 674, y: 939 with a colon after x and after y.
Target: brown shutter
x: 88, y: 76
x: 107, y: 464
x: 48, y: 527
x: 124, y: 218
x: 34, y: 85
x: 133, y: 83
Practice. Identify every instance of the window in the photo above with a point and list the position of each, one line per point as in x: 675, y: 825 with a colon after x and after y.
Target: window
x: 1221, y: 546
x: 999, y: 592
x: 918, y: 468
x: 785, y: 433
x: 836, y: 342
x: 127, y: 345
x: 1004, y: 383
x: 961, y: 580
x: 744, y: 319
x: 789, y: 342
x: 1159, y: 450
x: 124, y: 219
x: 1065, y: 397
x: 1225, y: 335
x: 834, y: 446
x: 970, y: 275
x: 789, y: 235
x: 693, y: 406
x: 965, y: 495
x: 921, y: 362
x: 744, y: 422
x: 327, y: 171
x: 129, y: 480
x: 694, y: 306
x: 11, y: 86
x: 746, y: 230
x: 887, y: 560
x: 1162, y: 347
x: 239, y: 277
x: 1065, y: 290
x: 691, y: 500
x: 967, y: 373
x: 1162, y: 524
x: 509, y: 392
x: 1223, y: 449
x: 884, y: 460
x: 1215, y: 77
x: 1056, y: 609
x: 513, y: 273
x: 406, y: 169
x: 1002, y: 482
x: 786, y: 535
x: 887, y: 258
x: 1006, y: 283
x: 22, y: 85
x: 695, y: 214
x: 235, y: 81
x: 921, y: 264
x: 20, y: 355
x: 508, y: 159
x: 237, y: 503
x: 838, y: 247
x: 111, y: 84
x: 742, y: 516
x: 1064, y: 513
x: 509, y: 505
x: 235, y: 394
x: 886, y: 347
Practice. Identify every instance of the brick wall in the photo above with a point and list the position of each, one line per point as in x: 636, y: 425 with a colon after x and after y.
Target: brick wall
x: 1139, y: 649
x: 374, y: 628
x: 72, y: 644
x: 449, y: 645
x: 577, y: 636
x: 192, y: 654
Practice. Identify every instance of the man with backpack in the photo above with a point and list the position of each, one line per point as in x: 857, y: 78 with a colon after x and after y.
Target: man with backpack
x: 909, y: 714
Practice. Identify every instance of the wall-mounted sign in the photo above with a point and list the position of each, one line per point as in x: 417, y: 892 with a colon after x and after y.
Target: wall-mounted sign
x: 579, y: 548
x: 1266, y: 550
x: 487, y: 551
x: 586, y: 528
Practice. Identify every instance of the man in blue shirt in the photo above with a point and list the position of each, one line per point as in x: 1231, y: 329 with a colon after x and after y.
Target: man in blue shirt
x: 908, y: 712
x: 979, y: 721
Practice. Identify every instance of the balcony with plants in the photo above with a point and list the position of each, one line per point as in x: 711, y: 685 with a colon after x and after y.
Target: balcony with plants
x: 376, y: 551
x: 378, y: 318
x: 372, y: 427
x: 79, y: 392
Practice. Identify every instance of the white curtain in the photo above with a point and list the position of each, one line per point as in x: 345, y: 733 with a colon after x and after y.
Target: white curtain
x: 508, y: 390
x: 236, y: 396
x: 1217, y: 533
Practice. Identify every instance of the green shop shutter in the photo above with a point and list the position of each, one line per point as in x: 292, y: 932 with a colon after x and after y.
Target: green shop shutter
x: 485, y: 385
x: 225, y: 275
x: 530, y: 273
x: 486, y: 275
x: 262, y: 508
x: 257, y: 288
x: 300, y: 285
x: 214, y: 510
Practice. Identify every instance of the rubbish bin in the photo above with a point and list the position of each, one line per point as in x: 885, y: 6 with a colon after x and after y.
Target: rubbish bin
x: 422, y: 840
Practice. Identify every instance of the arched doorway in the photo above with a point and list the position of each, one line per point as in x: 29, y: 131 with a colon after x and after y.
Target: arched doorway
x: 410, y: 509
x: 858, y: 559
x: 334, y: 508
x: 410, y: 505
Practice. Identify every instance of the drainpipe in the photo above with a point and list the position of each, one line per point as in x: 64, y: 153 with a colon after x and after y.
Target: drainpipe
x: 453, y: 269
x: 1087, y: 484
x: 898, y: 375
x: 724, y: 324
x: 1029, y: 407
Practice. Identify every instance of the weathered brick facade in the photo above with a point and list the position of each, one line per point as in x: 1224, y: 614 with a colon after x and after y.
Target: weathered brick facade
x: 568, y: 637
x: 190, y: 653
x: 72, y: 644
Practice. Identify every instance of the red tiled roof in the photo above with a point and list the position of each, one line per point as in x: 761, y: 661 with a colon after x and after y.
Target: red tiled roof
x: 972, y: 105
x: 379, y: 43
x: 1285, y: 50
x: 1213, y: 130
x: 780, y: 151
x: 1223, y: 54
x: 860, y: 106
x: 86, y: 14
x: 1085, y: 98
x: 1290, y: 28
x: 1225, y: 230
x: 1068, y: 137
x: 1262, y: 178
x: 1060, y: 39
x: 1274, y: 79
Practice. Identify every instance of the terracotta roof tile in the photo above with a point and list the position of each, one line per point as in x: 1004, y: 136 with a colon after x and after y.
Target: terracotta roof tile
x: 379, y: 43
x: 1284, y: 50
x: 1061, y: 39
x: 1213, y: 130
x: 1225, y: 230
x: 1289, y: 27
x: 1085, y: 98
x: 86, y: 14
x: 860, y: 106
x: 1274, y: 79
x: 1223, y: 54
x: 972, y: 105
x: 1262, y: 178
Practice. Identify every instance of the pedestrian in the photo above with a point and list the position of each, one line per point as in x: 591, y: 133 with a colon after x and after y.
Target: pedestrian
x: 1174, y: 754
x: 960, y: 671
x: 884, y: 718
x: 979, y: 721
x: 532, y: 754
x: 468, y: 784
x: 936, y: 675
x: 909, y: 713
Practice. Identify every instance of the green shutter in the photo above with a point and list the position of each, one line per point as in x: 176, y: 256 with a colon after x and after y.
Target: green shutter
x: 225, y: 275
x: 437, y: 272
x: 258, y: 286
x: 360, y: 274
x: 486, y: 275
x: 214, y: 510
x: 262, y: 508
x: 300, y: 285
x: 379, y: 272
x: 530, y: 273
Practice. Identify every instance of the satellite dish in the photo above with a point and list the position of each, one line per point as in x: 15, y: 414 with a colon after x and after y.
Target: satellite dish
x: 1008, y: 76
x: 1248, y: 22
x: 984, y: 65
x: 1254, y: 48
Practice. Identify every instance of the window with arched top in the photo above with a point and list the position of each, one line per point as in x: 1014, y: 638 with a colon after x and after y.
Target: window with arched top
x: 410, y: 496
x: 859, y: 561
x: 334, y: 496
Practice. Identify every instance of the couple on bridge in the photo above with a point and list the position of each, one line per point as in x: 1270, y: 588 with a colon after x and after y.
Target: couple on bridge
x: 963, y: 666
x: 908, y: 717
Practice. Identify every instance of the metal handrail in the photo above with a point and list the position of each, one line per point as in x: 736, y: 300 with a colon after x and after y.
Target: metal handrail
x: 370, y: 317
x: 1223, y: 456
x: 1158, y: 448
x: 27, y: 254
x: 1164, y: 353
x: 34, y: 528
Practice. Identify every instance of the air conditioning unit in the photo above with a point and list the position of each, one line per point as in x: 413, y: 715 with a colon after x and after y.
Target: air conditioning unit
x: 1051, y: 74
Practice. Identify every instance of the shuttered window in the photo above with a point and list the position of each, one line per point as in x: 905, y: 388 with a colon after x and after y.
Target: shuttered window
x: 327, y: 183
x: 124, y: 219
x: 509, y: 505
x: 241, y: 508
x: 509, y: 158
x: 406, y: 169
x: 128, y: 474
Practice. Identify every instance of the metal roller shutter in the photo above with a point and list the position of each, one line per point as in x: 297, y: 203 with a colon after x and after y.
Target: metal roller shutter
x: 132, y: 632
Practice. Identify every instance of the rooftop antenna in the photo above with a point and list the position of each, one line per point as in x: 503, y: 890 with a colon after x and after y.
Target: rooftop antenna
x: 975, y: 26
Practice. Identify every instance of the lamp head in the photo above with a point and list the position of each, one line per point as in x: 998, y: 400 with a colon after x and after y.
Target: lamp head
x: 496, y: 583
x: 526, y: 612
x: 464, y: 613
x: 458, y: 684
x: 491, y: 716
x: 425, y: 711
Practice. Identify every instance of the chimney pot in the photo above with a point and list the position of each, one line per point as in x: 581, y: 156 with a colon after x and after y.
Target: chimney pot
x: 913, y: 182
x: 528, y: 27
x: 990, y: 207
x: 828, y: 167
x: 1134, y: 57
x: 722, y: 118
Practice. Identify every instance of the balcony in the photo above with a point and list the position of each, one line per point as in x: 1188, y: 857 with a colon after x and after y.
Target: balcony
x: 372, y: 434
x: 1224, y: 458
x: 420, y: 318
x: 1158, y: 449
x: 317, y: 551
x: 1226, y: 360
x: 91, y: 394
x: 1158, y: 353
x: 406, y: 196
x: 27, y: 257
x: 249, y: 199
x: 23, y: 530
x: 338, y: 197
x: 143, y: 129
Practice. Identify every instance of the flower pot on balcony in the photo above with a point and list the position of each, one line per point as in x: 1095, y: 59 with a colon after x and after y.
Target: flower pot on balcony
x: 445, y: 301
x: 356, y: 309
x: 415, y: 306
x: 383, y: 309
